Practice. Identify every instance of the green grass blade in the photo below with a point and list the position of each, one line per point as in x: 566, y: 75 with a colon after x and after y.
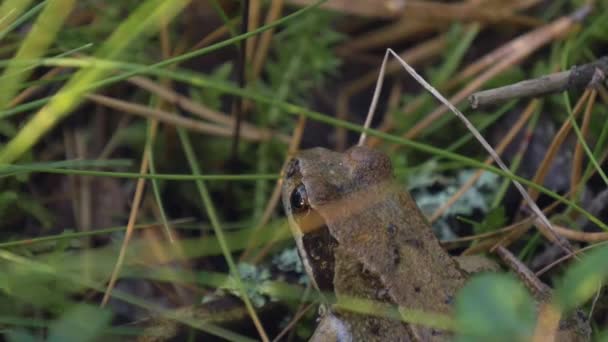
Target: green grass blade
x: 155, y: 186
x: 21, y: 169
x: 581, y: 140
x: 41, y: 36
x: 10, y: 12
x: 25, y: 265
x: 146, y: 19
x: 7, y: 26
x: 215, y: 222
x: 292, y: 109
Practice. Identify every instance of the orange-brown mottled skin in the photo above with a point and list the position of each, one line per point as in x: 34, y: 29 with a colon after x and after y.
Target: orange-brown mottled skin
x: 361, y: 235
x: 386, y: 251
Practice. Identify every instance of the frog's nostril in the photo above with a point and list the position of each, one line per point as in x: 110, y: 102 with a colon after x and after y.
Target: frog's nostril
x: 292, y: 168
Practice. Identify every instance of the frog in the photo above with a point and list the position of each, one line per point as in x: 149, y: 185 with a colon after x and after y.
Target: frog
x: 361, y: 235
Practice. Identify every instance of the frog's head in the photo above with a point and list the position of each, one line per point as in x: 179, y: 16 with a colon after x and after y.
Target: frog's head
x: 323, y: 176
x: 321, y: 188
x: 330, y: 182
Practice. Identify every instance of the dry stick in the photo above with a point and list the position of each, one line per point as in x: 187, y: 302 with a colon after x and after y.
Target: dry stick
x: 212, y: 37
x: 425, y: 17
x: 375, y: 97
x: 420, y: 52
x: 264, y: 41
x: 572, y: 234
x: 568, y: 233
x: 432, y: 10
x: 139, y: 189
x: 388, y: 121
x: 238, y: 110
x: 493, y: 57
x: 568, y: 256
x: 201, y: 111
x: 508, y: 138
x: 524, y: 225
x: 32, y: 90
x: 543, y: 169
x: 372, y: 106
x: 141, y: 183
x: 383, y: 9
x: 555, y: 145
x: 174, y: 119
x: 255, y: 7
x: 395, y: 32
x: 577, y: 159
x: 540, y: 290
x: 546, y: 227
x: 519, y: 49
x: 261, y: 49
x: 544, y: 221
x: 455, y: 243
x: 528, y: 221
x: 296, y: 318
x: 166, y: 54
x: 548, y: 316
x: 578, y: 77
x: 291, y: 150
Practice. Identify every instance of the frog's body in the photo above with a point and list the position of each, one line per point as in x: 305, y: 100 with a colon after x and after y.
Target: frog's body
x: 360, y: 235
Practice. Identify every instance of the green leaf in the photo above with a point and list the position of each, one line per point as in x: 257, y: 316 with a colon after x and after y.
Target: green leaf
x: 494, y: 307
x: 80, y: 323
x: 582, y: 280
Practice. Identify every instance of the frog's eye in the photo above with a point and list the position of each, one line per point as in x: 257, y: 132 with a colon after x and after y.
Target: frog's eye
x: 299, y: 199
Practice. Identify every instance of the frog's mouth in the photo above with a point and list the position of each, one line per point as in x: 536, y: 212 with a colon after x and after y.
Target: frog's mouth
x: 319, y: 246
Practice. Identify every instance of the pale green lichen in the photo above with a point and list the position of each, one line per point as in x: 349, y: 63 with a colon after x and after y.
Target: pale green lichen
x: 478, y: 197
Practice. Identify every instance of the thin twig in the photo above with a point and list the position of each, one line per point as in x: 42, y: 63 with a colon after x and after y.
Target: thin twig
x: 200, y: 110
x: 541, y: 291
x: 372, y: 106
x: 568, y: 256
x: 546, y: 226
x: 276, y: 194
x: 139, y: 190
x: 578, y: 77
x: 577, y: 158
x: 174, y: 119
x: 510, y: 54
x: 506, y: 141
x: 421, y: 52
x: 296, y: 318
x: 553, y: 148
x: 237, y: 101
